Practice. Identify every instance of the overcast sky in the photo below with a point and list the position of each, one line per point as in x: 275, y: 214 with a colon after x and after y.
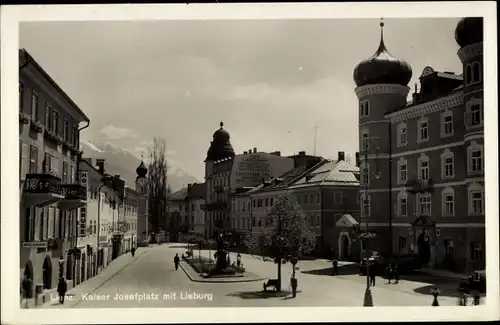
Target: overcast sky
x: 269, y: 81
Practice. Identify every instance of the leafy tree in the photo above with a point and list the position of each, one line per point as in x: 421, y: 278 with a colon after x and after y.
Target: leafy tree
x: 250, y: 242
x: 158, y: 189
x: 291, y: 232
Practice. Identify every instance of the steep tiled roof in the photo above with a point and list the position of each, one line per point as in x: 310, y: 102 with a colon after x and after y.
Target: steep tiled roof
x: 180, y: 195
x: 196, y: 191
x: 330, y: 173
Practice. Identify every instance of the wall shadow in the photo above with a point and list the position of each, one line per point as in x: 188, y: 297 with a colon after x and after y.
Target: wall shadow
x: 343, y: 270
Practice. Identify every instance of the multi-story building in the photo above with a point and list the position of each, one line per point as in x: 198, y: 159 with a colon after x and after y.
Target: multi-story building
x: 327, y: 192
x: 50, y: 193
x: 142, y: 189
x: 226, y: 172
x: 423, y: 160
x: 196, y: 203
x: 129, y: 224
x: 96, y: 219
x: 178, y: 221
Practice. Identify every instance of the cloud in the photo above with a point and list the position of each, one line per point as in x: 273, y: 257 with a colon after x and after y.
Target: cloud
x: 114, y: 133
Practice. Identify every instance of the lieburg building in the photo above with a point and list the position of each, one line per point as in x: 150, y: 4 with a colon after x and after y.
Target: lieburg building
x: 428, y: 197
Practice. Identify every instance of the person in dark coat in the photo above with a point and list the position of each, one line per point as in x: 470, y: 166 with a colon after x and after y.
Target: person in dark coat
x: 335, y: 266
x: 395, y: 272
x: 176, y: 261
x: 62, y: 286
x: 133, y: 251
x: 389, y: 272
x: 372, y: 273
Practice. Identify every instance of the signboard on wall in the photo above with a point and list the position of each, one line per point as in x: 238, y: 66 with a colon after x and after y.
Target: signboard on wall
x: 250, y: 169
x: 83, y: 222
x: 84, y: 175
x: 35, y: 244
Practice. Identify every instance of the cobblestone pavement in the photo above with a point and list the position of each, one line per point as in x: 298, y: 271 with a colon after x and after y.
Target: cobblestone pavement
x: 150, y: 280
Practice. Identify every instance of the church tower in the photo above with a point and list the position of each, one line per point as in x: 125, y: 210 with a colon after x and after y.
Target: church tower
x: 381, y: 82
x: 141, y: 187
x: 220, y: 149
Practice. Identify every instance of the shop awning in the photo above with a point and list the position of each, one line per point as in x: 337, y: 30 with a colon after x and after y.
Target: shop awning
x: 346, y: 221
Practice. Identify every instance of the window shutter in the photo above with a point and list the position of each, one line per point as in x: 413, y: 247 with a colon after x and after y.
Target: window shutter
x: 25, y: 160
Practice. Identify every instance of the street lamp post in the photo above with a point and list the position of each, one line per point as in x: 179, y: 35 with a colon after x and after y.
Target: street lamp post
x: 374, y: 141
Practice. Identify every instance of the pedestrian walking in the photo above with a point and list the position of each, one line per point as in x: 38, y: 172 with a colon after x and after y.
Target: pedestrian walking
x: 335, y: 266
x: 238, y: 259
x: 176, y: 261
x: 61, y: 290
x: 395, y: 271
x: 388, y: 271
x: 133, y: 251
x: 372, y: 276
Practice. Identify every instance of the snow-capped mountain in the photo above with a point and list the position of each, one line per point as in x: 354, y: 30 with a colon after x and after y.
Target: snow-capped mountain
x: 124, y: 163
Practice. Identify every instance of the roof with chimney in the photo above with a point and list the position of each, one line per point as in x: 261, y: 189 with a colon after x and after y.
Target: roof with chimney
x: 196, y: 191
x: 332, y: 172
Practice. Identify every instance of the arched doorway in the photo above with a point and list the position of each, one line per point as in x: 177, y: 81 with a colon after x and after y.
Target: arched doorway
x: 47, y: 273
x: 28, y: 274
x: 82, y: 266
x: 424, y: 248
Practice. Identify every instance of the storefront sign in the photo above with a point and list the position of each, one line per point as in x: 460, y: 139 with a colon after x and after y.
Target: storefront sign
x: 83, y: 222
x: 84, y: 175
x: 35, y: 244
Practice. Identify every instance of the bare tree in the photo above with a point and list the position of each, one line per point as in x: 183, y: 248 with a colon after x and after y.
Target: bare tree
x: 157, y: 184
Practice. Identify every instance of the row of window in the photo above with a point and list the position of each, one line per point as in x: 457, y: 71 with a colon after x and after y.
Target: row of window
x: 476, y: 252
x: 49, y: 222
x: 29, y: 164
x: 423, y: 205
x: 475, y: 165
x: 244, y: 223
x: 52, y: 117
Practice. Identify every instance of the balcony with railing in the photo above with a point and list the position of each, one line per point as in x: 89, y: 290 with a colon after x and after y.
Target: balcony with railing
x: 420, y: 185
x: 75, y: 196
x: 42, y: 189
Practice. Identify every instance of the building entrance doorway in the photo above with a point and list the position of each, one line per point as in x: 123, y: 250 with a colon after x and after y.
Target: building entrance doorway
x: 47, y: 273
x: 424, y: 248
x: 28, y: 273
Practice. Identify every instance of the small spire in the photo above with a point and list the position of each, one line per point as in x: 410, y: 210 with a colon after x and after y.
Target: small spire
x: 381, y: 47
x: 221, y: 124
x: 142, y: 156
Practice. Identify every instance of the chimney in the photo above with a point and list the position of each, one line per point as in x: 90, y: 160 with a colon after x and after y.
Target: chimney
x: 117, y: 176
x: 189, y: 186
x: 249, y: 150
x: 341, y: 156
x: 244, y: 152
x: 100, y: 165
x: 254, y: 150
x: 277, y: 153
x: 302, y: 153
x: 357, y: 159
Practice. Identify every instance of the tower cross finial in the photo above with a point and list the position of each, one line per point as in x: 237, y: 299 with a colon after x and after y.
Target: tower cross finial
x: 142, y: 156
x: 382, y: 29
x: 221, y: 124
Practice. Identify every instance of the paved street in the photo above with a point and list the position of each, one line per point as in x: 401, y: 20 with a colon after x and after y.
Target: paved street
x: 150, y: 280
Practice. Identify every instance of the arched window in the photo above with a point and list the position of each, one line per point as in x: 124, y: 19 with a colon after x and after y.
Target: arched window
x: 402, y: 171
x: 475, y: 161
x: 365, y: 140
x: 423, y: 167
x: 402, y: 209
x: 476, y: 72
x: 468, y: 74
x: 361, y: 108
x: 402, y: 135
x: 476, y: 199
x: 448, y: 202
x: 447, y: 164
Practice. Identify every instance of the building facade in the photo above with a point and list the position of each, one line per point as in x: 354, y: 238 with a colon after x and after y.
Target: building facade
x: 196, y: 204
x: 225, y: 172
x: 327, y: 192
x: 178, y: 217
x: 142, y: 189
x: 50, y: 191
x: 423, y: 176
x: 130, y: 219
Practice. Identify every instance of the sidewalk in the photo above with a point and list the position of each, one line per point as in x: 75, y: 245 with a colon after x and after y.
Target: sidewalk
x: 443, y: 273
x: 74, y: 295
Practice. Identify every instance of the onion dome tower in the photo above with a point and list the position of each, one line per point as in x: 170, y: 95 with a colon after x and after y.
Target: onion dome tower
x: 382, y: 87
x: 469, y: 30
x: 141, y: 171
x: 382, y: 67
x: 220, y: 147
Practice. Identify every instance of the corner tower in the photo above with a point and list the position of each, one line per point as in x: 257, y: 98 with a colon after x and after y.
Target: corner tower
x: 141, y: 187
x: 381, y: 82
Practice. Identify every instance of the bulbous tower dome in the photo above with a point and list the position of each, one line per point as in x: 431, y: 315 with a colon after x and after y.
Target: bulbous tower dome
x: 220, y: 147
x: 141, y: 170
x: 382, y: 68
x: 469, y: 30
